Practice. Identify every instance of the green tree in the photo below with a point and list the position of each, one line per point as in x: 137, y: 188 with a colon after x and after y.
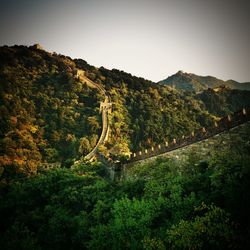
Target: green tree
x: 84, y: 147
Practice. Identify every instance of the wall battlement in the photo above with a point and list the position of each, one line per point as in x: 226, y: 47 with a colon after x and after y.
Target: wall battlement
x: 222, y: 125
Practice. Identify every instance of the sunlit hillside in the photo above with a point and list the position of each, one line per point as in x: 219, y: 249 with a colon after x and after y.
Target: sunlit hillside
x: 56, y: 110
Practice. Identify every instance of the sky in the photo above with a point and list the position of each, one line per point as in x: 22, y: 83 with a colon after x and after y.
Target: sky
x: 148, y: 38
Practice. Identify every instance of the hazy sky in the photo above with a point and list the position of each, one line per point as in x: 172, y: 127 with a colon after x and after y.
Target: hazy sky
x: 148, y: 38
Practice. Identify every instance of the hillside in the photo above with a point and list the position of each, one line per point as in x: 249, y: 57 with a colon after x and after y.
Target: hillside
x: 221, y: 101
x: 192, y: 82
x: 197, y: 198
x: 51, y: 116
x: 48, y: 115
x: 204, y: 204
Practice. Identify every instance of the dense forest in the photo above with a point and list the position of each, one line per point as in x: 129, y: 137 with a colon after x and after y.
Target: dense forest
x: 46, y: 113
x: 200, y: 205
x: 223, y: 100
x: 48, y: 200
x: 49, y: 116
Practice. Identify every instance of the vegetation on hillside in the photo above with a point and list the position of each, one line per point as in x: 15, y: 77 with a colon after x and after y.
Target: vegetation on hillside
x: 46, y: 113
x: 223, y: 100
x: 150, y: 113
x: 49, y: 116
x: 201, y: 205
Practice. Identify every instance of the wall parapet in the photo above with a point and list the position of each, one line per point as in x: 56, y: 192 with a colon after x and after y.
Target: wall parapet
x: 226, y: 123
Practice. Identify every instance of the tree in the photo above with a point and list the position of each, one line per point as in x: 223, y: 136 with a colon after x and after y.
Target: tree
x: 211, y: 230
x: 84, y: 147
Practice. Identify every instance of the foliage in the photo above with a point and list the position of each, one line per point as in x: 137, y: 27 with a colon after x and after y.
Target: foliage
x: 50, y: 116
x: 45, y: 111
x: 224, y: 101
x: 162, y: 207
x: 213, y: 230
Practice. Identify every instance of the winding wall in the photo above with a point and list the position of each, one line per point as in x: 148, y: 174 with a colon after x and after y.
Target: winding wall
x: 226, y: 123
x: 105, y: 108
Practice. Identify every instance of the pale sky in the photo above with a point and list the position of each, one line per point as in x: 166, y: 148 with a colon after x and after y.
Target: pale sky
x: 147, y: 38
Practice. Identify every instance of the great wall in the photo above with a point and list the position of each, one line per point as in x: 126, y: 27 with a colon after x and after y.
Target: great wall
x: 225, y: 124
x: 105, y: 109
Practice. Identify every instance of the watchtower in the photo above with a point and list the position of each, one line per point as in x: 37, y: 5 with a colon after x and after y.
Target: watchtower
x: 106, y: 105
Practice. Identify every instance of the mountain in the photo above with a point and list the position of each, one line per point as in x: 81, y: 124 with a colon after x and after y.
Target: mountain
x: 192, y: 82
x: 49, y: 115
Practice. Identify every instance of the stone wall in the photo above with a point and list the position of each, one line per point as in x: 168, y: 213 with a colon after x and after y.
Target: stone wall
x: 202, y: 149
x: 225, y: 124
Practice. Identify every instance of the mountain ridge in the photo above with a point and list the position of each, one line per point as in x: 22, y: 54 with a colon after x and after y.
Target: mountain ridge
x: 49, y: 114
x: 192, y: 82
x: 197, y: 198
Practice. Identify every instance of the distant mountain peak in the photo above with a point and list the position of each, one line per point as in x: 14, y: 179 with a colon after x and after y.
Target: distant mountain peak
x: 195, y: 83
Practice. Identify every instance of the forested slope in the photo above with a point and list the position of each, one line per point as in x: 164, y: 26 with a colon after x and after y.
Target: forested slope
x: 202, y: 204
x: 45, y: 111
x: 48, y: 115
x: 224, y: 100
